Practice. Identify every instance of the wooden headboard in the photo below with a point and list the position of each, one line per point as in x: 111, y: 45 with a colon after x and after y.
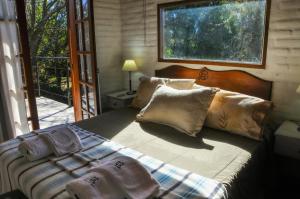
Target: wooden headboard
x: 232, y: 80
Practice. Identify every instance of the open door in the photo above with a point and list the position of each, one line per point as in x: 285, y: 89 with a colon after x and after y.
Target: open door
x: 26, y: 64
x: 83, y: 60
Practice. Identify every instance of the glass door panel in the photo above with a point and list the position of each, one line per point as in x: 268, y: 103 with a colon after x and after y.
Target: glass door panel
x: 87, y: 37
x: 78, y: 9
x: 91, y: 101
x: 79, y: 36
x: 81, y: 67
x: 89, y: 68
x: 25, y: 59
x: 85, y: 8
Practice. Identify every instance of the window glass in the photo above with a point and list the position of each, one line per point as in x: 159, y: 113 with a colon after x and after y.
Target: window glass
x: 216, y: 31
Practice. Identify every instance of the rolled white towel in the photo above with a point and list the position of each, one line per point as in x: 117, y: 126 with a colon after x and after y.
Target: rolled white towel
x: 62, y: 141
x: 34, y: 149
x: 94, y: 186
x: 131, y: 176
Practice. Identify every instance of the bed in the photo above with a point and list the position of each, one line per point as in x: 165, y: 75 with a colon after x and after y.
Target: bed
x: 238, y: 163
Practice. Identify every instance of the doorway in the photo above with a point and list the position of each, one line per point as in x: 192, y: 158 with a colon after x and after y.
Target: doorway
x: 61, y: 72
x: 48, y: 41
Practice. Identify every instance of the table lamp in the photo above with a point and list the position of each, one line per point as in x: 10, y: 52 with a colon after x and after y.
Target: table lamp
x: 130, y: 65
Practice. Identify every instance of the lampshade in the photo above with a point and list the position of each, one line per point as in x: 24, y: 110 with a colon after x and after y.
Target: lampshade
x: 129, y: 65
x: 298, y: 89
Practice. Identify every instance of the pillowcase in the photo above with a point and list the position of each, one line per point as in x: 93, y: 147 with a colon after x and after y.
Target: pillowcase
x: 238, y: 113
x: 148, y: 85
x: 145, y: 91
x: 184, y: 110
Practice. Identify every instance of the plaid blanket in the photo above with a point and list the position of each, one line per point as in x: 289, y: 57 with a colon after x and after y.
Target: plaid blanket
x: 46, y: 178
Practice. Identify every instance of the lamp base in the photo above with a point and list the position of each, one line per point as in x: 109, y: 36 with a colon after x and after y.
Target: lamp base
x: 131, y: 92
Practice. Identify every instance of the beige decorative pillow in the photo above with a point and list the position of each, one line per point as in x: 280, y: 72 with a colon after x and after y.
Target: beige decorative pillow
x: 184, y: 110
x: 148, y: 85
x: 238, y: 113
x: 145, y: 90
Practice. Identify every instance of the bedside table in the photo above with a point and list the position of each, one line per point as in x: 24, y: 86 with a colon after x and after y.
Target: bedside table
x: 287, y: 140
x: 119, y: 99
x: 285, y: 179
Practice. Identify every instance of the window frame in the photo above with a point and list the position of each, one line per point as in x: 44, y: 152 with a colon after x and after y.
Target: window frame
x: 162, y: 6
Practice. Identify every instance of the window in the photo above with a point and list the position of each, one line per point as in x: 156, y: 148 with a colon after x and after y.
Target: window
x: 223, y: 32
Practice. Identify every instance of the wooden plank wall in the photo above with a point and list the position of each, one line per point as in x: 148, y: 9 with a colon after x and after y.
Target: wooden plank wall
x: 108, y: 44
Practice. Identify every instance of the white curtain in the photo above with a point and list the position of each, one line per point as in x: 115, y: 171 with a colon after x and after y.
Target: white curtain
x: 10, y: 69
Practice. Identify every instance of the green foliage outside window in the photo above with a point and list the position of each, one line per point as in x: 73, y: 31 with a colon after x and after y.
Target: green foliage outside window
x: 228, y: 31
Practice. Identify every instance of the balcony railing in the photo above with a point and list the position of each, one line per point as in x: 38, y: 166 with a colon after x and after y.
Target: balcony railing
x: 52, y: 78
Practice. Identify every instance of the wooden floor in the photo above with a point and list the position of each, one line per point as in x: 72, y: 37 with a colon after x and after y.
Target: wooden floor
x: 52, y: 112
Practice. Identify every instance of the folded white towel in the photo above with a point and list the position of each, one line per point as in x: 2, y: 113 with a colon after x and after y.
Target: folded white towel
x: 95, y: 186
x: 119, y: 178
x: 62, y: 141
x: 34, y: 149
x: 131, y: 176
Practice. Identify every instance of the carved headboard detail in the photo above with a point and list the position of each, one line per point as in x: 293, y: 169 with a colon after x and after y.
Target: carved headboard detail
x: 232, y: 80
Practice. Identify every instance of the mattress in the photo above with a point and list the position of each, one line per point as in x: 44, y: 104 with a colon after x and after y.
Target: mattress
x: 233, y: 160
